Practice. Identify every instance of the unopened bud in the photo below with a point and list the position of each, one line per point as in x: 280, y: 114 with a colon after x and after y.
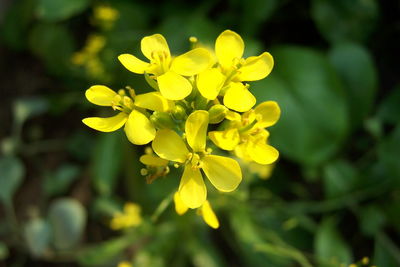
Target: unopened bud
x: 162, y: 120
x: 179, y: 112
x: 217, y: 113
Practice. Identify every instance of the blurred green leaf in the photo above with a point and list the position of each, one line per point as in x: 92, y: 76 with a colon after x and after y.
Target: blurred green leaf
x: 58, y: 182
x: 340, y: 177
x: 57, y: 10
x: 3, y: 251
x: 386, y: 254
x: 54, y: 44
x: 107, y: 161
x: 37, y: 233
x: 330, y: 248
x: 68, y: 218
x: 16, y: 23
x: 313, y: 122
x: 11, y: 175
x: 371, y: 220
x: 355, y: 66
x: 389, y: 154
x: 389, y: 108
x: 254, y: 13
x: 25, y: 108
x: 104, y: 252
x: 344, y: 20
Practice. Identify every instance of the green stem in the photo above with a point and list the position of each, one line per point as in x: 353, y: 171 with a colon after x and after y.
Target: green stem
x: 161, y: 208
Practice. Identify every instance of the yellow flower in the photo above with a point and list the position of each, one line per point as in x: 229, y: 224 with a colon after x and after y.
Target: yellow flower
x: 224, y: 173
x: 227, y: 78
x: 138, y: 127
x: 170, y: 72
x: 124, y: 264
x: 205, y: 211
x: 128, y: 218
x: 246, y: 134
x: 105, y: 13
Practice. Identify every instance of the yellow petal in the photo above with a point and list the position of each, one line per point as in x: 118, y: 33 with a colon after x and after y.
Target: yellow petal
x: 133, y: 64
x: 256, y: 68
x: 209, y: 216
x: 267, y: 114
x: 151, y: 160
x: 228, y: 47
x: 262, y: 153
x: 192, y: 189
x: 169, y: 145
x: 154, y: 44
x: 100, y: 95
x: 210, y: 82
x: 153, y: 101
x: 173, y: 86
x: 233, y: 116
x: 139, y: 129
x: 241, y: 152
x: 106, y: 124
x: 192, y: 62
x: 224, y: 173
x: 238, y: 98
x: 180, y: 207
x: 227, y: 140
x: 196, y: 130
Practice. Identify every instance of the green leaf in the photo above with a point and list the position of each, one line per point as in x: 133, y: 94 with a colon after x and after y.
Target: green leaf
x: 389, y: 108
x: 344, y: 20
x: 68, y: 218
x: 11, y: 175
x: 3, y: 251
x: 330, y: 248
x: 26, y: 108
x: 386, y: 253
x: 340, y: 177
x: 313, y: 122
x: 107, y: 162
x: 59, y: 181
x: 372, y: 220
x: 355, y: 66
x: 104, y: 252
x: 389, y: 154
x: 37, y: 233
x: 57, y: 10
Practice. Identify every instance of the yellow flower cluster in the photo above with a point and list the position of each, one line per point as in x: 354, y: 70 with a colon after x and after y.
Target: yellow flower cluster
x: 199, y: 96
x: 130, y: 217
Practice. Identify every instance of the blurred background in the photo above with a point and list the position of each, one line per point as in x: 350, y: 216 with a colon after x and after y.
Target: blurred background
x: 333, y: 198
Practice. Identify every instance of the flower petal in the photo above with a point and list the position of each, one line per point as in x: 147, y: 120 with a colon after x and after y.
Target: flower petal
x: 192, y: 189
x: 180, y: 207
x: 100, y: 95
x: 262, y: 153
x: 239, y: 98
x: 139, y: 129
x: 228, y: 47
x: 192, y: 62
x: 267, y: 114
x: 256, y: 68
x: 224, y: 173
x: 153, y: 101
x: 196, y: 130
x: 173, y: 86
x: 210, y: 82
x: 209, y: 216
x: 133, y: 64
x: 151, y: 160
x: 169, y: 145
x: 227, y: 140
x: 155, y: 43
x: 106, y: 124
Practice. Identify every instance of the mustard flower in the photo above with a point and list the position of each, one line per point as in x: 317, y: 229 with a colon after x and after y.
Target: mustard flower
x: 223, y: 172
x: 205, y: 211
x: 130, y: 217
x: 246, y: 135
x: 138, y: 127
x: 170, y: 72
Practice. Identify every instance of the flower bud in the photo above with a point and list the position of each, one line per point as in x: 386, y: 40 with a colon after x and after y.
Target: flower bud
x: 217, y: 113
x: 162, y: 120
x: 179, y: 112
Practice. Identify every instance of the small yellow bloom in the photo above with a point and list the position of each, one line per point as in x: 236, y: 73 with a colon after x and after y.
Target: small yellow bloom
x: 124, y: 264
x: 130, y: 217
x: 224, y: 173
x: 138, y: 127
x: 246, y: 134
x: 205, y: 211
x: 170, y: 72
x: 105, y: 13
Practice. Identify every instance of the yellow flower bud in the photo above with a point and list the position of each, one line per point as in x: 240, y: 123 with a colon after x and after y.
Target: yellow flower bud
x: 217, y: 113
